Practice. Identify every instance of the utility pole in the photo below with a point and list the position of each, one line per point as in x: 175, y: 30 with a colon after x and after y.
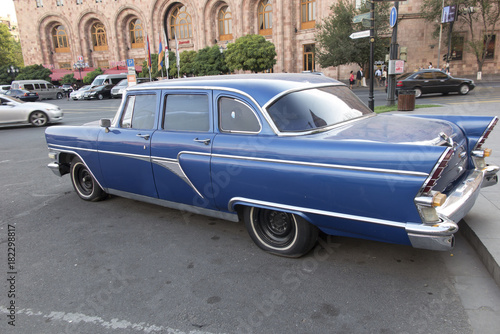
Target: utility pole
x: 371, y: 102
x: 393, y: 55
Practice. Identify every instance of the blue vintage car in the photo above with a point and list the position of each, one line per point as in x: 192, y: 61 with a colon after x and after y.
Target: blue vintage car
x: 288, y: 154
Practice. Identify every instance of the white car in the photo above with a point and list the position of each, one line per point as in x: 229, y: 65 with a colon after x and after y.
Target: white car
x: 78, y: 94
x: 14, y: 111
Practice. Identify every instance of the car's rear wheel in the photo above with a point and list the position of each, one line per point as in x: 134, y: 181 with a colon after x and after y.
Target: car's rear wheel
x: 418, y: 92
x: 38, y: 118
x: 84, y: 183
x: 464, y: 89
x: 100, y: 97
x: 59, y: 96
x: 279, y: 232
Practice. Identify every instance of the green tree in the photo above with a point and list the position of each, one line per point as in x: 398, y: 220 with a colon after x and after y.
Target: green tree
x: 68, y: 79
x: 335, y: 47
x: 187, y: 63
x: 34, y: 72
x: 10, y: 49
x: 87, y: 80
x: 481, y: 22
x: 209, y: 61
x: 154, y: 68
x: 250, y: 53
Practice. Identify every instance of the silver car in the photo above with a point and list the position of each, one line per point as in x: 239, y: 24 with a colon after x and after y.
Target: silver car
x: 78, y: 94
x: 15, y: 111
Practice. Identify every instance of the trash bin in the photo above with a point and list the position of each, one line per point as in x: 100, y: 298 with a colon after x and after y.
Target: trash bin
x: 406, y: 100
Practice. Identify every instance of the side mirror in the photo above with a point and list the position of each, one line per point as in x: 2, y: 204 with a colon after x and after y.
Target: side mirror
x: 105, y: 123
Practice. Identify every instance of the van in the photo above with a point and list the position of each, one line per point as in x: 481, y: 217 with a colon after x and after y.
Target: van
x: 108, y: 79
x: 44, y: 89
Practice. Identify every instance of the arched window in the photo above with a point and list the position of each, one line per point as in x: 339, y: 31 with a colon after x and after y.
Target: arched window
x: 180, y: 23
x: 60, y: 39
x: 265, y: 18
x: 136, y: 34
x: 99, y: 40
x: 225, y: 24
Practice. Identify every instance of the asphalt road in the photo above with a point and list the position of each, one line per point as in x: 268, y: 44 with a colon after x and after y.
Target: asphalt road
x: 121, y: 266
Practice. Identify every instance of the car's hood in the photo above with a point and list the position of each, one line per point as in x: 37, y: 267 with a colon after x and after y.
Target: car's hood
x: 397, y: 129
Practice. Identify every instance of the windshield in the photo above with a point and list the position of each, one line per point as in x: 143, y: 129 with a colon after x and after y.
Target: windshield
x: 97, y: 82
x: 15, y: 99
x: 124, y: 82
x: 316, y: 108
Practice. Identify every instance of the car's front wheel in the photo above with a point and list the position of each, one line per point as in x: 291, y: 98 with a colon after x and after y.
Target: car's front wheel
x: 84, y: 183
x: 59, y: 96
x: 464, y: 89
x: 100, y: 96
x: 279, y: 232
x: 38, y: 118
x: 418, y: 92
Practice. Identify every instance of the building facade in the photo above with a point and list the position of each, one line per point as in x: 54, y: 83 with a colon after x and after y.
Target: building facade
x: 104, y: 33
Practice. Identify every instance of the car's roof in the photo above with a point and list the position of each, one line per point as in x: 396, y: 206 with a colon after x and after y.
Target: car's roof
x: 262, y: 87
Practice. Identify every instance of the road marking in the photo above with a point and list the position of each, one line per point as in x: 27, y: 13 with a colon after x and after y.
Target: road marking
x: 472, y: 102
x: 75, y: 318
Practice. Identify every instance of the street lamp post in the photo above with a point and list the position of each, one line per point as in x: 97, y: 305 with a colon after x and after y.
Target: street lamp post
x: 11, y: 70
x: 80, y: 65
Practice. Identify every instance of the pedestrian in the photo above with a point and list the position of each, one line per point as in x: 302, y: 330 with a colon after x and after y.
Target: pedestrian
x: 384, y: 76
x: 378, y: 76
x: 359, y: 77
x: 430, y: 65
x: 352, y: 79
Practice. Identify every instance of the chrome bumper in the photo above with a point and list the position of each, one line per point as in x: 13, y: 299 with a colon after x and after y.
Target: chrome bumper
x: 54, y: 167
x: 439, y: 235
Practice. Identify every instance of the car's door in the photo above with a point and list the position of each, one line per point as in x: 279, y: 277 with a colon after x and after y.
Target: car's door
x: 444, y: 84
x: 181, y: 148
x: 125, y: 150
x: 10, y: 113
x: 426, y: 81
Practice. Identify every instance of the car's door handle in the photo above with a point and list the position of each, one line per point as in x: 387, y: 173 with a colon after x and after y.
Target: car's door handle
x: 204, y: 141
x: 145, y: 136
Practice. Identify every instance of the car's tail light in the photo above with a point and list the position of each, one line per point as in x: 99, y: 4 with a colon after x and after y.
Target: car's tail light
x: 25, y: 94
x: 399, y: 83
x: 486, y: 134
x: 437, y: 171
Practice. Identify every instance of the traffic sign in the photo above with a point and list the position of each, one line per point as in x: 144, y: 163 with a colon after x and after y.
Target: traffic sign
x: 359, y: 18
x: 360, y: 34
x: 393, y: 18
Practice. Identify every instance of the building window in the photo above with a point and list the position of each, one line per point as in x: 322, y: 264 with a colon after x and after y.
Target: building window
x: 99, y: 40
x: 180, y: 23
x: 457, y: 47
x: 490, y: 48
x: 308, y: 57
x: 136, y: 34
x: 65, y: 66
x: 60, y: 39
x: 79, y: 2
x: 59, y: 3
x: 39, y: 3
x: 265, y: 18
x: 308, y: 14
x: 103, y: 64
x: 225, y: 24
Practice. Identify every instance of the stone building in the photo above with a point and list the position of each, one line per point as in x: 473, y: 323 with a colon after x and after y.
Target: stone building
x: 104, y: 33
x: 12, y: 25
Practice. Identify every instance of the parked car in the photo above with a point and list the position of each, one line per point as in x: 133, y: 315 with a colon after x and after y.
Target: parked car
x: 118, y: 90
x: 433, y: 81
x: 289, y: 154
x: 13, y: 111
x: 67, y: 88
x: 23, y: 95
x: 44, y: 89
x: 4, y: 88
x: 78, y: 94
x: 98, y: 92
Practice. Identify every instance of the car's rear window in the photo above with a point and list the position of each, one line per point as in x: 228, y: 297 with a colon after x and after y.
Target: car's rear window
x: 316, y: 108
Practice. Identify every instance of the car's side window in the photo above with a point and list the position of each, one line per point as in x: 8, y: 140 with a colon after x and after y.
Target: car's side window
x: 441, y: 76
x: 29, y: 87
x: 236, y: 116
x: 186, y: 112
x: 139, y: 112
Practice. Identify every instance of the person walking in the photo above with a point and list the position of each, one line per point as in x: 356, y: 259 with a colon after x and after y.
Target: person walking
x: 359, y: 77
x: 378, y: 76
x: 352, y: 79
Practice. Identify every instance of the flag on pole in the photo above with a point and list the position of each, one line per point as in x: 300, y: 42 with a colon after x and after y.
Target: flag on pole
x: 161, y: 53
x: 167, y: 65
x: 149, y: 52
x: 177, y: 51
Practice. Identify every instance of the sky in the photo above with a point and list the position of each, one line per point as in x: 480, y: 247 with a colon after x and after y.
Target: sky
x: 7, y: 7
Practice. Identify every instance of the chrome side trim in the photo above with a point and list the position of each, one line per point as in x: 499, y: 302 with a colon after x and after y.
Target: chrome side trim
x: 128, y: 155
x: 71, y: 149
x: 174, y: 166
x: 323, y: 165
x: 177, y: 206
x: 292, y: 208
